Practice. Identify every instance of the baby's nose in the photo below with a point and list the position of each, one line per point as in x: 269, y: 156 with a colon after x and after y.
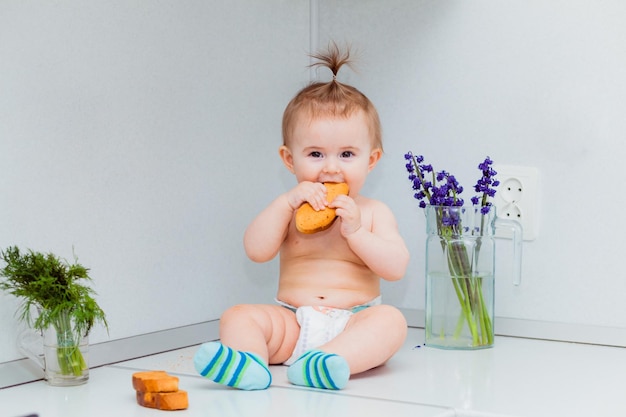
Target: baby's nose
x: 331, y: 165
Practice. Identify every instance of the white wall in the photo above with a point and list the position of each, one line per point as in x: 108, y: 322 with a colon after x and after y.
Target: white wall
x: 531, y: 83
x: 144, y: 135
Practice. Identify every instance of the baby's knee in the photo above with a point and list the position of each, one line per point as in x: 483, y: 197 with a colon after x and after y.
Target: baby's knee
x: 238, y: 311
x: 258, y: 313
x: 395, y: 325
x: 389, y: 311
x: 392, y: 317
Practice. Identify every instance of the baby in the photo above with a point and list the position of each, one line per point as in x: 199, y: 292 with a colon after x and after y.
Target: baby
x: 328, y: 322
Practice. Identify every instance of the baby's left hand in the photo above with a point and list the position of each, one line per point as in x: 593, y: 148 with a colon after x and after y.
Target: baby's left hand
x: 349, y: 213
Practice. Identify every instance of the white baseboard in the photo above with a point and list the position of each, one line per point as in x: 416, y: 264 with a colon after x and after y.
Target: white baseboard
x: 545, y: 330
x: 24, y: 370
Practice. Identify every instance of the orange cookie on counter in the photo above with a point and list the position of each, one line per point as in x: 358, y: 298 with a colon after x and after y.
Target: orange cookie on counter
x: 171, y: 401
x: 154, y: 381
x: 158, y: 389
x: 308, y: 220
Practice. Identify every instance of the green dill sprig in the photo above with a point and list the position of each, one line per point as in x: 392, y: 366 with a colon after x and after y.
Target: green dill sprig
x: 53, y: 286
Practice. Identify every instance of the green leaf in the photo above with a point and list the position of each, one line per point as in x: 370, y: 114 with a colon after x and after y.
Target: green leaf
x: 50, y: 284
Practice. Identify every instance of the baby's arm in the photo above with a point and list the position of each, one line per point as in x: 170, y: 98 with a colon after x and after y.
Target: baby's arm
x: 382, y: 249
x: 266, y: 233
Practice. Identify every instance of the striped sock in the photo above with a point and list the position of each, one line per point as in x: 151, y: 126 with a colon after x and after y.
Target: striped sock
x: 319, y: 370
x: 230, y: 367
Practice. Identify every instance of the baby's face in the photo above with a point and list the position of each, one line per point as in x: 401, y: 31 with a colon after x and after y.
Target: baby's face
x: 333, y: 150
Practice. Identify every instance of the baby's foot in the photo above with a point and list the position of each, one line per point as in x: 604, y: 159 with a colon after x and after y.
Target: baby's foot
x: 230, y: 367
x: 318, y: 369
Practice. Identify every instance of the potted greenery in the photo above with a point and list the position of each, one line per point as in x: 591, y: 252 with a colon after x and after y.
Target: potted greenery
x: 66, y: 309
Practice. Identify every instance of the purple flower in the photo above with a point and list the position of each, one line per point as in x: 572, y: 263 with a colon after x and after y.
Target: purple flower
x: 442, y: 188
x: 485, y: 185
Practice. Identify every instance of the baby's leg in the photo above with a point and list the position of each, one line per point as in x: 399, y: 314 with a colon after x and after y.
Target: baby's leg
x: 270, y: 331
x: 252, y: 336
x: 372, y: 336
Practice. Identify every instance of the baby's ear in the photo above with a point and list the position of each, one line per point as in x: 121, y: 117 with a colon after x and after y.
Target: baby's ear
x: 374, y: 158
x: 287, y: 157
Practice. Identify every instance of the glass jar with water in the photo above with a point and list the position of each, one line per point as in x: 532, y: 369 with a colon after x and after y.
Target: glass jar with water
x: 460, y: 275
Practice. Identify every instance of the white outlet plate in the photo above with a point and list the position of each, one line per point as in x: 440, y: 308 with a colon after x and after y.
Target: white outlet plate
x: 517, y: 198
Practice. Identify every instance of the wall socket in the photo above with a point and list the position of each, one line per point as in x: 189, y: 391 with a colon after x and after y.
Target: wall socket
x: 517, y: 198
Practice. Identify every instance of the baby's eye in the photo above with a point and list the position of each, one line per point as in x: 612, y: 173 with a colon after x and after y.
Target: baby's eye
x: 316, y: 154
x: 347, y: 154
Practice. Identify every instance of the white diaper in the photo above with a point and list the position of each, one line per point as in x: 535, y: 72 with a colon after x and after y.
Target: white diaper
x: 319, y: 325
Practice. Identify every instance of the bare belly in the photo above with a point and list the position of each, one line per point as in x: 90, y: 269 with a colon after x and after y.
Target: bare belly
x: 324, y: 282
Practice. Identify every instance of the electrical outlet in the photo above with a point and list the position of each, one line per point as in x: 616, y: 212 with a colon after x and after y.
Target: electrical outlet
x: 517, y: 199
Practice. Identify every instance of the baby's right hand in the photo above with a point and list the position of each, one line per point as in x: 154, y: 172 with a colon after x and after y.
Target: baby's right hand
x: 313, y: 193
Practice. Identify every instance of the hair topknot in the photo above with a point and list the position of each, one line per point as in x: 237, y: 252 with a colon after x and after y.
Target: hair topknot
x: 334, y: 58
x: 332, y: 98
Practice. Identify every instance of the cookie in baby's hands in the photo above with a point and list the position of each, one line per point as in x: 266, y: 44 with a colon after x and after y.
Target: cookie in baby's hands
x: 308, y: 220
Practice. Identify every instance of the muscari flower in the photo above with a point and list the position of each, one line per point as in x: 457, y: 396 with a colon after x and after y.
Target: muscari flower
x: 445, y: 190
x: 485, y: 185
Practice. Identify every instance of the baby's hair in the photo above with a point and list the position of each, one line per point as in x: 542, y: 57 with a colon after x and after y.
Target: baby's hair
x: 332, y: 98
x: 333, y: 59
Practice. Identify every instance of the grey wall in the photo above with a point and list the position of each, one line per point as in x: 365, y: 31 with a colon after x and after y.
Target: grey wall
x: 530, y: 83
x: 144, y: 136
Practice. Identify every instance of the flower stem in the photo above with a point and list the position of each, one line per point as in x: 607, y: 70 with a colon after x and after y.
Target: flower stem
x: 69, y: 356
x: 468, y: 289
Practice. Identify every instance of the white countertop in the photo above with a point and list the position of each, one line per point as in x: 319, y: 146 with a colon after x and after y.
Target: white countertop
x: 517, y: 377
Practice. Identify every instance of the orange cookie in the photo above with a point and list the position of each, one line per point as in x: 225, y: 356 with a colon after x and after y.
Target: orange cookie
x: 163, y: 400
x: 154, y: 381
x: 158, y: 389
x: 310, y: 221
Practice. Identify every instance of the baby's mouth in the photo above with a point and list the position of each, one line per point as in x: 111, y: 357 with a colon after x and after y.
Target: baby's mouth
x: 331, y: 179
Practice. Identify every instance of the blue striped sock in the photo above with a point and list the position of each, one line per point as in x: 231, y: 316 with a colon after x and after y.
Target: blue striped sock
x: 318, y: 369
x: 230, y: 367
